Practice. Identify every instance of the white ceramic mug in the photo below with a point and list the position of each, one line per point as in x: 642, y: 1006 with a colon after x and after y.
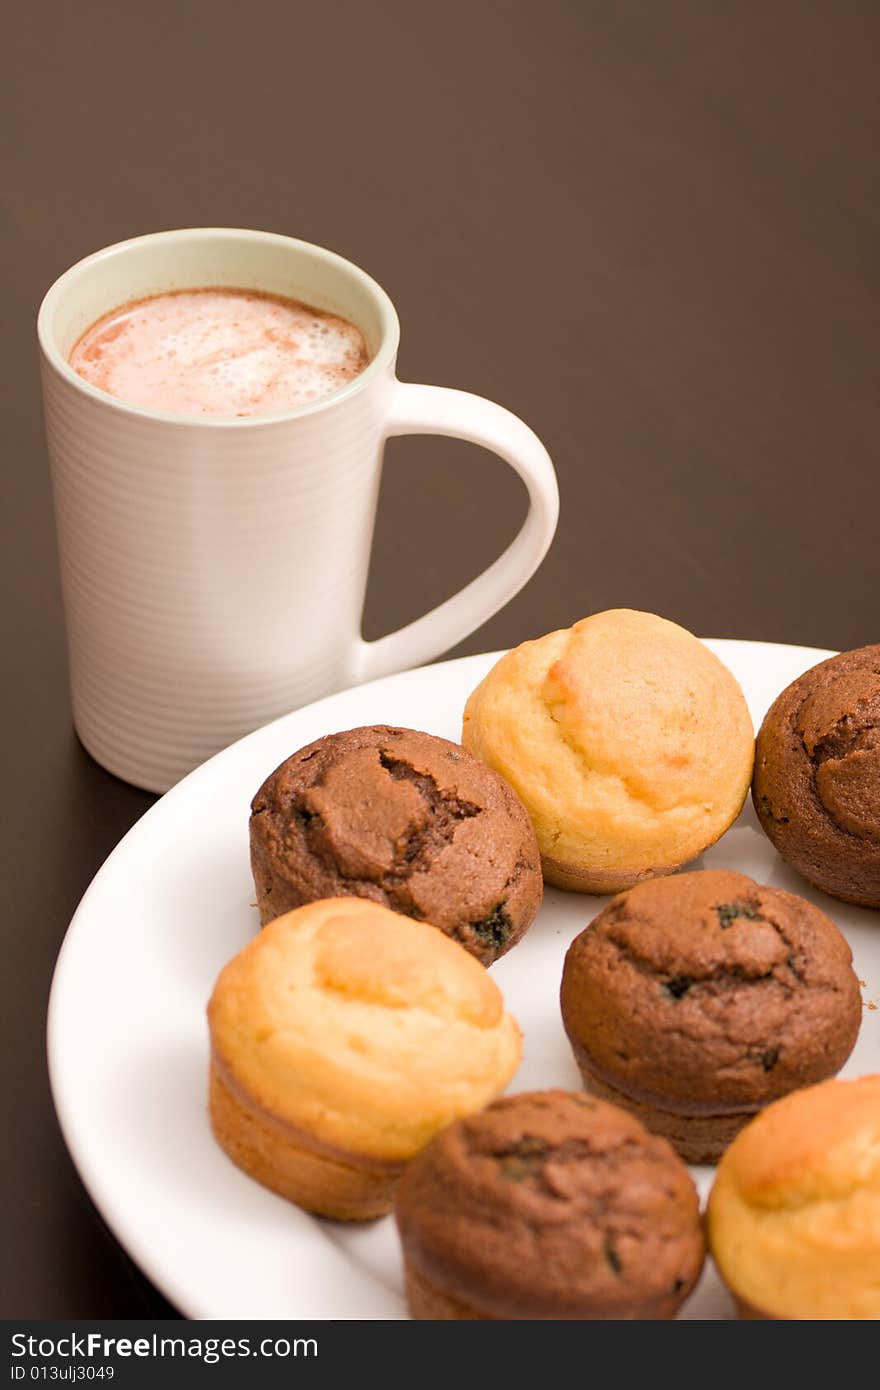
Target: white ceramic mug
x: 213, y: 569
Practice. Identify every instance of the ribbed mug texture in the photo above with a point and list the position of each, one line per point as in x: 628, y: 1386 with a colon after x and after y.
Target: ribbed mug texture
x: 212, y: 578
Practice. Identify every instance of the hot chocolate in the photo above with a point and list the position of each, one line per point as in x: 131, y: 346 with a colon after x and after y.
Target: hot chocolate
x: 221, y: 352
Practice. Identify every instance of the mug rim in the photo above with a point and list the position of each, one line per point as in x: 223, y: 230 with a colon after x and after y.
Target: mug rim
x: 381, y: 360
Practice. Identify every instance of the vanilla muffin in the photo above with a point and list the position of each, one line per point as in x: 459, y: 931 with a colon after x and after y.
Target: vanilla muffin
x: 696, y: 1000
x: 342, y: 1038
x: 794, y: 1215
x: 628, y: 741
x: 548, y: 1204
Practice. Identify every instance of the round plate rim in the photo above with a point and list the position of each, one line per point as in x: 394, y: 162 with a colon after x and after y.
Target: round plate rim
x: 78, y: 1146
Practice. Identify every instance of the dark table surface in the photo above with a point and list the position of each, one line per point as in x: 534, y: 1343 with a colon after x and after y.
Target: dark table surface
x: 650, y: 230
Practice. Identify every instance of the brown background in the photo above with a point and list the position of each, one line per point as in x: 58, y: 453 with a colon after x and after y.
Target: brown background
x: 650, y: 229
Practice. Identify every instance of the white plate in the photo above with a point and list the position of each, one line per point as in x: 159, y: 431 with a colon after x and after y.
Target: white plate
x: 128, y: 1043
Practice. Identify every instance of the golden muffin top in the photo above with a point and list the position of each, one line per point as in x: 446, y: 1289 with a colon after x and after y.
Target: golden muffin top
x: 794, y: 1215
x: 628, y: 740
x: 365, y: 1029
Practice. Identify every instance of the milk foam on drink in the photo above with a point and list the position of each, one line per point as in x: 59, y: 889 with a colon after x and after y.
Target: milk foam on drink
x: 220, y: 352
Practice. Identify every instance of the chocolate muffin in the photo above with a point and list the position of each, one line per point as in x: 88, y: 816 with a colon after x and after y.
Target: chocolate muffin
x: 548, y: 1205
x: 816, y: 787
x: 406, y: 819
x: 696, y: 1000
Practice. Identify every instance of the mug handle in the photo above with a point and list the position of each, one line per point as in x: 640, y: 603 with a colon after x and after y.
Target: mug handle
x: 458, y: 414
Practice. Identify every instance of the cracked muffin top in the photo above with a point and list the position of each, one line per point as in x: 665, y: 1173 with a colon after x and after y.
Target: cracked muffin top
x: 629, y: 742
x: 710, y: 992
x: 817, y: 775
x: 410, y: 821
x: 366, y: 1032
x: 551, y: 1204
